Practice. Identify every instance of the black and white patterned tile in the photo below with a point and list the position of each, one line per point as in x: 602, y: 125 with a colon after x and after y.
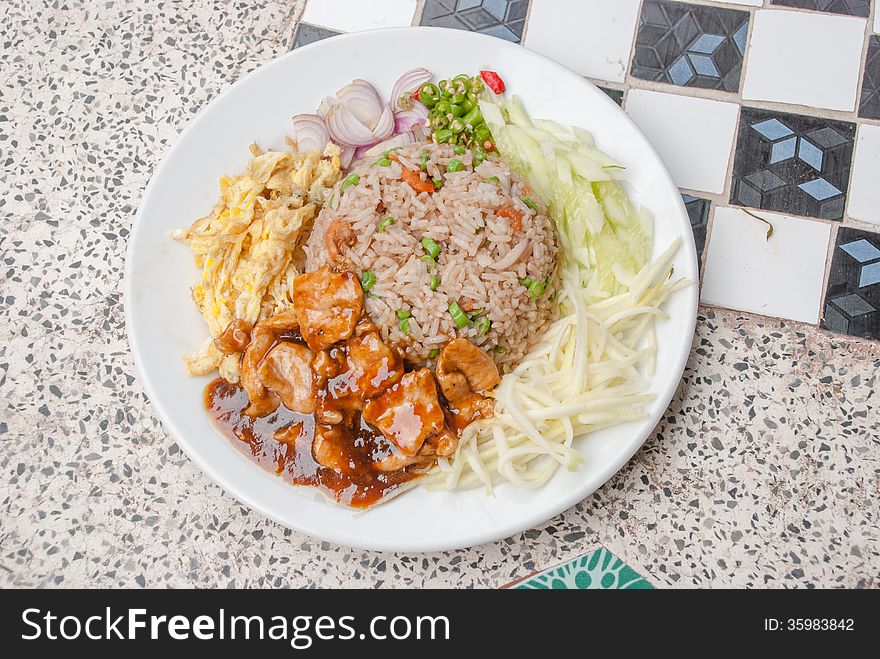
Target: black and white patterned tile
x: 499, y: 18
x: 846, y: 7
x: 691, y: 45
x: 792, y: 163
x: 852, y: 300
x: 97, y: 495
x: 306, y: 34
x: 615, y: 95
x: 869, y: 105
x: 698, y: 212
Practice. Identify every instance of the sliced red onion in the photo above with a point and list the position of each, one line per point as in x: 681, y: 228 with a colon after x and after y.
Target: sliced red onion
x: 310, y: 132
x: 419, y: 132
x: 346, y: 129
x: 385, y: 126
x: 360, y: 152
x: 393, y: 142
x: 362, y: 100
x: 326, y: 103
x: 346, y: 156
x: 408, y: 83
x: 407, y: 119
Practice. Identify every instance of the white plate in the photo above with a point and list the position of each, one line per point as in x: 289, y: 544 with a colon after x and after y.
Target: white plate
x: 163, y: 322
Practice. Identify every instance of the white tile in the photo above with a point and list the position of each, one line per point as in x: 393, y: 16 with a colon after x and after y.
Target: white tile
x: 752, y: 3
x: 591, y: 37
x: 864, y: 187
x: 693, y: 136
x: 804, y: 58
x: 354, y: 15
x: 876, y: 18
x: 780, y: 276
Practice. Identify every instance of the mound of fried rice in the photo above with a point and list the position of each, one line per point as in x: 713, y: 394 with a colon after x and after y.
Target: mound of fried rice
x: 490, y: 240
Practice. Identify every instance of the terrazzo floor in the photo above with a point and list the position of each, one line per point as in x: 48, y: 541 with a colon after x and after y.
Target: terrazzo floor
x: 763, y: 473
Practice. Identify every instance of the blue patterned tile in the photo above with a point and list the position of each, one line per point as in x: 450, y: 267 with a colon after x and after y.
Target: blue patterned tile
x: 306, y: 34
x: 596, y: 570
x: 690, y: 45
x: 792, y: 163
x: 852, y: 299
x: 698, y: 212
x: 848, y: 7
x: 499, y: 18
x: 869, y: 107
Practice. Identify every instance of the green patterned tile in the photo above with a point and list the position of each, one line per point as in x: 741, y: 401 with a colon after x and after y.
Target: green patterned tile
x: 598, y: 569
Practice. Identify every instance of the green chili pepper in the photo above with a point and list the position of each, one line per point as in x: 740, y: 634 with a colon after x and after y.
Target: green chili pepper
x: 459, y: 316
x: 424, y: 164
x: 483, y: 325
x: 442, y: 135
x: 438, y: 182
x: 428, y: 94
x: 404, y: 325
x: 385, y: 223
x: 403, y: 314
x: 382, y: 162
x: 528, y: 201
x: 435, y: 282
x: 491, y: 179
x: 473, y: 118
x: 434, y: 352
x: 454, y: 166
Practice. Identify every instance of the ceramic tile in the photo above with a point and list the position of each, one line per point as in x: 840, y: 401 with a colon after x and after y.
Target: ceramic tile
x: 852, y: 301
x: 500, y: 18
x: 776, y: 275
x: 599, y: 569
x: 693, y: 135
x: 691, y: 45
x: 698, y: 212
x: 847, y: 7
x: 750, y: 3
x: 864, y: 191
x: 306, y: 34
x: 869, y: 106
x: 591, y: 37
x: 876, y: 19
x: 354, y: 15
x: 792, y: 163
x: 615, y: 95
x: 805, y: 59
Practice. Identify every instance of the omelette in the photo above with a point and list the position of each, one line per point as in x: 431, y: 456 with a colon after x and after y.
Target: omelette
x: 247, y: 247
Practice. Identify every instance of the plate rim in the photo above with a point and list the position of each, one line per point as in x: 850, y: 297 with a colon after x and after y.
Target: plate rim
x: 493, y: 533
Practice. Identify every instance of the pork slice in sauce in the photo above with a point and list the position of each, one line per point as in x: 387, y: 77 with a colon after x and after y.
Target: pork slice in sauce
x: 234, y: 338
x: 330, y: 448
x: 328, y: 306
x: 463, y: 369
x: 263, y: 337
x: 287, y: 372
x: 373, y: 365
x: 407, y: 413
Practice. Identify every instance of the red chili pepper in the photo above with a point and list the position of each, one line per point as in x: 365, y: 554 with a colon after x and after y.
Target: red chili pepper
x: 493, y: 81
x: 415, y: 94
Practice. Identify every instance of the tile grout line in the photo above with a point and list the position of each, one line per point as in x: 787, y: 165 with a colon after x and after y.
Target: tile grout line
x: 526, y: 18
x: 826, y: 275
x: 731, y: 156
x: 296, y: 14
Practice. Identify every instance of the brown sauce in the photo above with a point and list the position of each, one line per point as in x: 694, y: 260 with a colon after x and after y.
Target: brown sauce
x: 360, y: 486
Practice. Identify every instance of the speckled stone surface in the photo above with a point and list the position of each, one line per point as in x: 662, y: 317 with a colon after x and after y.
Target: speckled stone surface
x: 764, y: 472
